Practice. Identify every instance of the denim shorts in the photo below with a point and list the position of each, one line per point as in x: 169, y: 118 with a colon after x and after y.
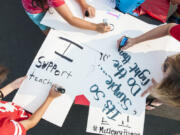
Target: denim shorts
x: 36, y: 18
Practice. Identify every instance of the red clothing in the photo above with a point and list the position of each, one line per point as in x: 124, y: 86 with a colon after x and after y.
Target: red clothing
x: 27, y: 4
x: 175, y: 32
x: 81, y: 100
x: 10, y: 115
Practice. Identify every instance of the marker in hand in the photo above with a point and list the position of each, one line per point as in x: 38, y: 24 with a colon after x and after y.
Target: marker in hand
x: 61, y: 90
x: 105, y: 21
x: 86, y: 13
x: 123, y: 43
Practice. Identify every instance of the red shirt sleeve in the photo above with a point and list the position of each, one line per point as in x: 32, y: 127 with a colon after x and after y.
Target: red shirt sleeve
x: 175, y: 32
x: 11, y: 127
x: 55, y: 3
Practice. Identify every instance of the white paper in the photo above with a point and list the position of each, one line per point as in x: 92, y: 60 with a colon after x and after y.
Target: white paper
x: 148, y: 55
x: 125, y: 125
x: 50, y: 67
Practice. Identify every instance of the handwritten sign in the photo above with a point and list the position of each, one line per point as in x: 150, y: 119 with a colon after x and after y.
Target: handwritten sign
x: 125, y: 125
x: 116, y: 86
x: 60, y: 61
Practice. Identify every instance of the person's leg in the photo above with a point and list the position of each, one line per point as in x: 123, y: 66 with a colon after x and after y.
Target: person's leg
x: 36, y: 18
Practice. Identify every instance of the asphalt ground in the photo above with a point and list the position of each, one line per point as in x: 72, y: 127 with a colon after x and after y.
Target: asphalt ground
x: 20, y: 39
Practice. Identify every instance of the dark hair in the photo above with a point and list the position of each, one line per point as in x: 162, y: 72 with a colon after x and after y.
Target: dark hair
x: 39, y: 3
x: 3, y: 73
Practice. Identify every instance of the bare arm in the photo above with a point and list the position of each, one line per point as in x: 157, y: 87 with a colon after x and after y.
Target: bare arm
x: 152, y: 34
x: 65, y: 12
x: 155, y: 33
x: 82, y: 2
x: 86, y: 7
x: 36, y: 117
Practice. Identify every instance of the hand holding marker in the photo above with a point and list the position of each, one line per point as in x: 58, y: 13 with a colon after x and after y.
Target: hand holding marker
x: 123, y: 43
x: 86, y: 13
x: 105, y: 21
x: 60, y: 90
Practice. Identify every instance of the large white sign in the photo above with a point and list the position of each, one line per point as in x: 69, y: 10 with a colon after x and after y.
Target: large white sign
x: 61, y: 60
x: 125, y: 125
x: 113, y: 85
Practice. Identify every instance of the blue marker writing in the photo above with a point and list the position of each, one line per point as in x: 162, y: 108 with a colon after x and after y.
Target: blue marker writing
x: 123, y: 42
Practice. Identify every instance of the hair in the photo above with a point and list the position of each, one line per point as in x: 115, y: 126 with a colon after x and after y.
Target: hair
x: 3, y: 73
x: 169, y: 88
x: 39, y: 3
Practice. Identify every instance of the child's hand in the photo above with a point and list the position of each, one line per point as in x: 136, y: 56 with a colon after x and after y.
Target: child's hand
x: 102, y: 28
x: 17, y: 83
x: 151, y: 88
x: 129, y: 43
x: 53, y: 93
x: 91, y: 10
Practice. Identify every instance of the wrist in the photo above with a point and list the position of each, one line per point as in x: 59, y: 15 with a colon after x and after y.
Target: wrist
x: 96, y: 26
x: 134, y: 41
x: 50, y: 98
x: 1, y: 95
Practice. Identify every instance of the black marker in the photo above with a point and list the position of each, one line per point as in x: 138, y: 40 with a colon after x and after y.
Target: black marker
x: 61, y: 90
x: 86, y: 13
x: 123, y: 43
x: 64, y: 57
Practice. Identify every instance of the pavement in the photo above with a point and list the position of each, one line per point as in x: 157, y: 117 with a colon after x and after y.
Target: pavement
x: 20, y: 39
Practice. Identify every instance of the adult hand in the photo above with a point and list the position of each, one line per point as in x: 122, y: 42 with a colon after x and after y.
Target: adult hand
x: 17, y: 83
x: 129, y: 43
x: 53, y: 93
x: 88, y: 8
x: 151, y: 88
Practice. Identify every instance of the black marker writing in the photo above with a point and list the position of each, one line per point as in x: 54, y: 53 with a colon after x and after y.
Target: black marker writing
x: 103, y: 56
x: 70, y: 43
x: 51, y: 67
x: 64, y: 57
x: 40, y: 80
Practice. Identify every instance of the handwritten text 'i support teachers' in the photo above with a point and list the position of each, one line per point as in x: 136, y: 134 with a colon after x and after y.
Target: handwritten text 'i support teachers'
x: 50, y: 67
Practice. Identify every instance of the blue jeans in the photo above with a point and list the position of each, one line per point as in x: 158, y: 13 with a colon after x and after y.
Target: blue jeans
x: 36, y: 18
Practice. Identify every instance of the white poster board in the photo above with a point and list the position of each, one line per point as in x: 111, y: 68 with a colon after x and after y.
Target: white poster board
x: 126, y: 125
x: 145, y: 55
x: 60, y: 61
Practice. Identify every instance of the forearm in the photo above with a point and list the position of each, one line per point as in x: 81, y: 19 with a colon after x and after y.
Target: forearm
x: 154, y: 33
x: 82, y: 3
x: 36, y: 117
x: 77, y: 22
x: 65, y: 12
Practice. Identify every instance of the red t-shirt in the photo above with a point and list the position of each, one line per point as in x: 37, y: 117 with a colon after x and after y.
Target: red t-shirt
x: 27, y: 4
x: 10, y: 115
x: 175, y: 32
